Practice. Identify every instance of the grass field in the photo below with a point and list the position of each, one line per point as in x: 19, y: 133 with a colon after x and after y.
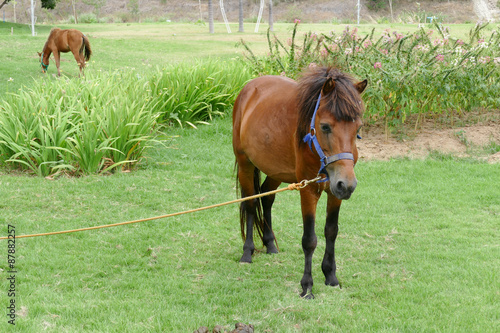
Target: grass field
x: 417, y: 251
x: 418, y: 248
x: 147, y: 45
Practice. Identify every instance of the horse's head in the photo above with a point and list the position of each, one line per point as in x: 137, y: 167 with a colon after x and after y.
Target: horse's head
x: 333, y: 130
x: 44, y: 66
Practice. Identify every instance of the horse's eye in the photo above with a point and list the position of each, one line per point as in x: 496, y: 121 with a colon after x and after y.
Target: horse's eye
x: 357, y: 132
x: 325, y: 128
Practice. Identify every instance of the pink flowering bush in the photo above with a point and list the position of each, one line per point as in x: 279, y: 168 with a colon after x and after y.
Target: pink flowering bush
x: 290, y: 59
x: 427, y: 72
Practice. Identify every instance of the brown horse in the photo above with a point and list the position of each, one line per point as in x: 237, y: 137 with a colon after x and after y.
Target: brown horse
x: 289, y: 131
x: 65, y: 41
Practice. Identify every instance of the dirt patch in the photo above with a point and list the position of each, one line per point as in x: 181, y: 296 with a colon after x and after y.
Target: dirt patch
x: 469, y: 141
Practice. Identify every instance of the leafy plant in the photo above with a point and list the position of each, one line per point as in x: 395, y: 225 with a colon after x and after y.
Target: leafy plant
x: 287, y: 59
x: 79, y: 126
x: 106, y: 121
x: 193, y: 93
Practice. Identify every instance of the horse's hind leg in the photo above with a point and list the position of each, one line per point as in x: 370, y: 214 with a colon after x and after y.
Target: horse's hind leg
x: 78, y: 54
x: 267, y: 204
x: 248, y: 209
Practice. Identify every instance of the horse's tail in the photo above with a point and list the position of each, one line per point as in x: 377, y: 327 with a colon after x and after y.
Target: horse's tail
x: 259, y: 216
x: 86, y: 48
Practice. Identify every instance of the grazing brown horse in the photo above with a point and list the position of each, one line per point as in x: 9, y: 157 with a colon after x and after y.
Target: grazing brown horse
x: 65, y: 41
x: 293, y: 131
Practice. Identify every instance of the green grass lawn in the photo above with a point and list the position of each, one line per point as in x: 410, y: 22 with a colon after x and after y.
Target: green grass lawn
x: 418, y: 248
x: 148, y: 45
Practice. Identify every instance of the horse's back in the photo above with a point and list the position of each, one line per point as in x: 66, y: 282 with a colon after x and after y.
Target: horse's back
x: 65, y: 39
x: 264, y: 125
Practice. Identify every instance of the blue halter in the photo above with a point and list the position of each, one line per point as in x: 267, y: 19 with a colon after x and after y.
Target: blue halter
x: 311, y: 140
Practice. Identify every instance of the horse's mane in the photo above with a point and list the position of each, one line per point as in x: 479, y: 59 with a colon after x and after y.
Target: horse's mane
x: 52, y: 32
x: 343, y: 102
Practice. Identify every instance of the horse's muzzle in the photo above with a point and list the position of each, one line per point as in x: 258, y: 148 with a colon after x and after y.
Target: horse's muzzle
x: 343, y: 189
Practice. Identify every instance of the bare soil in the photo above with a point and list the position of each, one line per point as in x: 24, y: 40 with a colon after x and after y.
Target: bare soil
x: 451, y: 11
x: 467, y: 141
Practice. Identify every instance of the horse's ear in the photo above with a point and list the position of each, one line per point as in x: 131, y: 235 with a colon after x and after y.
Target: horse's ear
x: 39, y: 54
x: 360, y: 86
x: 328, y: 86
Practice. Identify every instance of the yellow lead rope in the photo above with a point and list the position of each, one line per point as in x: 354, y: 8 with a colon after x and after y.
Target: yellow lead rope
x: 294, y: 186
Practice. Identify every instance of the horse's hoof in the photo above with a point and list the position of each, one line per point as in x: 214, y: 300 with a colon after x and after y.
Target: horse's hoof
x: 246, y: 258
x: 307, y: 295
x: 272, y: 249
x: 333, y: 282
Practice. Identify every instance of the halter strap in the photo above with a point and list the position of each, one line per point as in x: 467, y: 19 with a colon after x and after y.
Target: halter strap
x: 42, y: 64
x: 311, y: 140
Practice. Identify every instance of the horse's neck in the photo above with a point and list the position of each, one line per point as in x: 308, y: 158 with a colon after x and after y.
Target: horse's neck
x: 46, y: 51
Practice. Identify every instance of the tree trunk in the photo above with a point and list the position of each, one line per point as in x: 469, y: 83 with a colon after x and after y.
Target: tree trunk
x: 392, y: 16
x: 271, y: 15
x: 210, y: 16
x: 3, y: 3
x: 74, y: 11
x: 241, y: 29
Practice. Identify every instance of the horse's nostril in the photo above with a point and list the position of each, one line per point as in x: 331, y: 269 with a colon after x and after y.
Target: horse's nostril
x: 341, y: 186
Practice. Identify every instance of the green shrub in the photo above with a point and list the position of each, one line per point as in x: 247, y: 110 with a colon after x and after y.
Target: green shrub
x: 105, y: 121
x: 87, y: 18
x: 191, y: 94
x: 85, y: 126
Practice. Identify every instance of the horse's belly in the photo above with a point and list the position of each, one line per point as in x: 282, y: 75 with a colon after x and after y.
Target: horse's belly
x: 270, y: 148
x: 274, y: 162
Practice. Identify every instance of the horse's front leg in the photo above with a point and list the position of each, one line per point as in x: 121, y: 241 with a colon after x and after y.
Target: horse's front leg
x: 57, y: 58
x: 328, y: 265
x: 309, y: 198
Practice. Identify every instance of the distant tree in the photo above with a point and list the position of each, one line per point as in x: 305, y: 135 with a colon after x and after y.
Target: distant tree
x: 74, y: 11
x: 390, y: 5
x: 49, y: 4
x: 210, y: 17
x: 4, y: 3
x: 133, y: 7
x: 241, y: 29
x: 97, y: 4
x: 375, y: 5
x: 271, y: 15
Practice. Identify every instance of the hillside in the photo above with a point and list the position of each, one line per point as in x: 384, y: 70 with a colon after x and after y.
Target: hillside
x: 336, y: 11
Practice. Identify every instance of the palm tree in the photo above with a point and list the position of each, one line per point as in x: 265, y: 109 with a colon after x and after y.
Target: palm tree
x: 271, y: 15
x: 241, y: 29
x: 210, y: 16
